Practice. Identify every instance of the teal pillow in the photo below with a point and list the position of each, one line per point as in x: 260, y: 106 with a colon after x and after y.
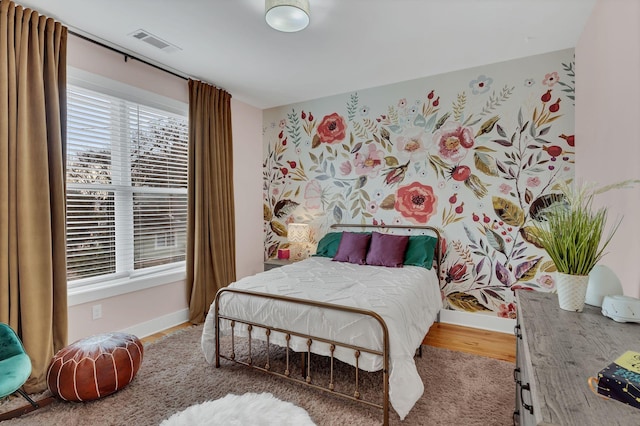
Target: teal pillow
x: 421, y: 251
x: 328, y: 245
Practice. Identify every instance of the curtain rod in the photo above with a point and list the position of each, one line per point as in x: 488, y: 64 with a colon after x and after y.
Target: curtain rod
x: 127, y: 55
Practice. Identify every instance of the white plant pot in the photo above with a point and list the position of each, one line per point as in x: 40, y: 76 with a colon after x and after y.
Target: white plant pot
x: 572, y: 290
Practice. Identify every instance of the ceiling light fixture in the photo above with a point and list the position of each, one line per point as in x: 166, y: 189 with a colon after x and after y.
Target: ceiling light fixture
x: 287, y: 15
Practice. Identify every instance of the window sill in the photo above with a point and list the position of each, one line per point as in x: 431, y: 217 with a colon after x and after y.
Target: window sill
x: 118, y: 287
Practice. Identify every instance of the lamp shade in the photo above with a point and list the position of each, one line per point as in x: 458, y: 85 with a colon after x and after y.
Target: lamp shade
x: 287, y: 15
x: 298, y: 232
x: 602, y: 282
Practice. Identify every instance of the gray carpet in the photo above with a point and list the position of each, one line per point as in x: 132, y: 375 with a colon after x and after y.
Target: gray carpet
x: 460, y: 389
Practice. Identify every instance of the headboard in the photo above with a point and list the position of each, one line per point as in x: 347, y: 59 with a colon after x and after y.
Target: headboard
x: 430, y: 229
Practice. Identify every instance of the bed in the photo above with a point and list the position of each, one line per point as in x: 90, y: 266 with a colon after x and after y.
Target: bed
x: 371, y: 317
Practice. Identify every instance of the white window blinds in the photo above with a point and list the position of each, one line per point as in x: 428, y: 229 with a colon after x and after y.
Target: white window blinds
x: 126, y: 186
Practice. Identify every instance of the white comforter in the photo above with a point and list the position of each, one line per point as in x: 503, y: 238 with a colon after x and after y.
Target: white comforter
x: 408, y: 299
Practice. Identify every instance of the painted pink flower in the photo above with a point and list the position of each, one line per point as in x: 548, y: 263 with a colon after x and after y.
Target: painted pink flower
x: 551, y: 79
x: 505, y: 188
x: 507, y: 311
x: 410, y: 143
x: 369, y: 163
x: 546, y: 281
x: 453, y: 141
x: 533, y: 181
x: 372, y: 207
x: 332, y: 128
x: 416, y: 202
x: 345, y: 168
x: 402, y: 103
x: 283, y: 123
x: 313, y: 195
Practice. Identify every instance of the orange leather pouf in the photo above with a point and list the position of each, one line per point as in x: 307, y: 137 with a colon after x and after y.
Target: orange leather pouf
x: 94, y: 367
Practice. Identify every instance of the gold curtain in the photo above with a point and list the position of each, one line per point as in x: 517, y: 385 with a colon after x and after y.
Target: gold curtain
x: 211, y: 258
x: 33, y: 281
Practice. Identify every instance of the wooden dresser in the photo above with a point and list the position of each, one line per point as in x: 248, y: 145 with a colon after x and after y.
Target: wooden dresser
x: 557, y: 351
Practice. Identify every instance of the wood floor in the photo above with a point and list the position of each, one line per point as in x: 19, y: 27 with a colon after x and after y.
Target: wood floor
x: 491, y: 344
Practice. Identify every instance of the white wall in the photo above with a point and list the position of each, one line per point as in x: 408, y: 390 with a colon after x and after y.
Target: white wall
x: 607, y: 114
x: 147, y: 311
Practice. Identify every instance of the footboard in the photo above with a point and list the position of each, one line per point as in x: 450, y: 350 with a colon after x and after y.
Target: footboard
x: 310, y: 340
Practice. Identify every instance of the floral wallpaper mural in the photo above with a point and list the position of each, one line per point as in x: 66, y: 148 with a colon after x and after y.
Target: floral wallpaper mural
x: 475, y: 153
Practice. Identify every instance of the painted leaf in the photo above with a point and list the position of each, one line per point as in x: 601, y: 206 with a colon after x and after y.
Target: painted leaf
x: 493, y: 294
x: 395, y: 128
x: 266, y: 213
x: 384, y: 134
x: 419, y: 121
x: 500, y: 131
x: 389, y: 202
x: 528, y: 196
x: 526, y: 271
x: 502, y: 142
x: 466, y: 302
x: 543, y: 204
x: 284, y: 208
x: 469, y: 234
x: 391, y: 161
x: 315, y: 142
x: 362, y: 181
x: 503, y: 275
x: 485, y: 163
x: 278, y: 228
x: 337, y: 214
x: 509, y: 212
x: 495, y: 240
x: 548, y: 266
x: 520, y: 118
x: 271, y: 251
x: 356, y: 148
x: 487, y: 126
x: 442, y: 120
x: 474, y: 183
x: 431, y: 121
x: 483, y: 148
x: 529, y: 234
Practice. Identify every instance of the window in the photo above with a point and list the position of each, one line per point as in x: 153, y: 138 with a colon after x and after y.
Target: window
x: 126, y: 187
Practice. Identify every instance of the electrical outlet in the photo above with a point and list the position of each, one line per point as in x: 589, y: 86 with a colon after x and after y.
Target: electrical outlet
x: 96, y: 311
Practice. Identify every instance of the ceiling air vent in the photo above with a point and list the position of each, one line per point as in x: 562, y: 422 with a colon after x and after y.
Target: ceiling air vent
x: 154, y: 41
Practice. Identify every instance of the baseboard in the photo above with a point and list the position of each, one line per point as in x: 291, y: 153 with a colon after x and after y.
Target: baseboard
x: 156, y: 325
x: 484, y: 322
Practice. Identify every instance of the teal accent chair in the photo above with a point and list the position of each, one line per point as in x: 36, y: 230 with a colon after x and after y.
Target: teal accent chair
x: 15, y: 365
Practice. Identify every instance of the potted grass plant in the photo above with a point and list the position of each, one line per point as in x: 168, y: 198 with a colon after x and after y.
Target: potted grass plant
x: 574, y: 234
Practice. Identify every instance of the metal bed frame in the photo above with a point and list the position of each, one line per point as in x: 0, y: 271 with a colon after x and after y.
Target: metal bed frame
x: 310, y: 339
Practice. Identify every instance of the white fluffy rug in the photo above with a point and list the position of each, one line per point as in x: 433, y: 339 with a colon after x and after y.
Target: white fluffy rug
x: 250, y: 409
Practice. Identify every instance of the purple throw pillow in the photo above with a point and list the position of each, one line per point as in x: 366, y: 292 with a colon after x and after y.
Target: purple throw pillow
x: 387, y: 250
x: 353, y: 248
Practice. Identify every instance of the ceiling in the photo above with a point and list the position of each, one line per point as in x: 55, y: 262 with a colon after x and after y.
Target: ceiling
x: 349, y: 45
